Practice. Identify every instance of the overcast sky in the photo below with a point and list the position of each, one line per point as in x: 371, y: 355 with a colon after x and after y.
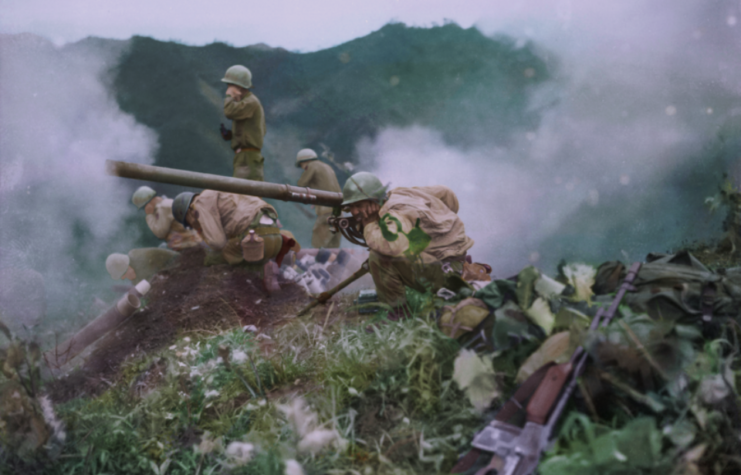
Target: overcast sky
x: 313, y: 25
x: 292, y: 24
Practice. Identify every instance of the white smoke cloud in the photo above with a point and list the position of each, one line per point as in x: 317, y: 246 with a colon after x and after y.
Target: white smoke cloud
x: 59, y: 213
x: 638, y: 91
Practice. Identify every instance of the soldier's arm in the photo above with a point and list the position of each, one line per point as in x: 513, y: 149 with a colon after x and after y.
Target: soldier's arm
x: 238, y: 110
x: 211, y: 230
x: 306, y: 178
x: 377, y: 241
x: 159, y: 224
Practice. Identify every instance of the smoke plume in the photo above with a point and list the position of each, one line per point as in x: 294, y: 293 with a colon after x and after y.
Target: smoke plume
x: 59, y: 214
x: 621, y: 159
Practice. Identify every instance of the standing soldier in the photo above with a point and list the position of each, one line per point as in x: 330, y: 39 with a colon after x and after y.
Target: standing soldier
x: 248, y: 124
x: 240, y: 228
x: 158, y: 210
x: 394, y: 224
x: 319, y: 176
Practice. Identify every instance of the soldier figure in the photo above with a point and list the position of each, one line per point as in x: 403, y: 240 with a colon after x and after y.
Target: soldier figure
x: 248, y: 124
x: 140, y: 264
x: 240, y: 228
x: 159, y: 218
x: 319, y: 176
x: 431, y: 209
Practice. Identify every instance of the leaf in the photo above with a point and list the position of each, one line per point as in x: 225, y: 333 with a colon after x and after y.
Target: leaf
x: 525, y: 291
x: 477, y: 377
x: 555, y: 348
x: 387, y: 234
x: 581, y: 277
x: 506, y: 329
x: 540, y: 313
x: 418, y: 240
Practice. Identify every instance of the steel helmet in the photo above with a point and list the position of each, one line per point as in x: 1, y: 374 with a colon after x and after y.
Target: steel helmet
x: 180, y: 206
x: 142, y: 196
x: 305, y: 155
x: 238, y: 75
x: 363, y: 186
x: 117, y: 264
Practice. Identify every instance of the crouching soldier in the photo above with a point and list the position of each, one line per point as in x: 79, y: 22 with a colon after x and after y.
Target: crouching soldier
x: 158, y: 210
x: 390, y: 220
x: 140, y: 264
x: 238, y: 229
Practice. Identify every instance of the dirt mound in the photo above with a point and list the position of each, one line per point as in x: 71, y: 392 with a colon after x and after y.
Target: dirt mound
x: 187, y: 298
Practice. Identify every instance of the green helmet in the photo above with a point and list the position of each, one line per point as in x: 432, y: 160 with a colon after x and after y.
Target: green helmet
x: 363, y: 186
x: 305, y: 155
x: 180, y: 206
x: 239, y: 76
x: 142, y: 196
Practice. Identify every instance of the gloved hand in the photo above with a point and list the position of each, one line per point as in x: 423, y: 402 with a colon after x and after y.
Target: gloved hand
x: 226, y: 134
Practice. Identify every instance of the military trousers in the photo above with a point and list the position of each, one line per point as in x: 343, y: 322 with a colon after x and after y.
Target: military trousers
x: 392, y: 275
x: 322, y: 235
x: 249, y: 164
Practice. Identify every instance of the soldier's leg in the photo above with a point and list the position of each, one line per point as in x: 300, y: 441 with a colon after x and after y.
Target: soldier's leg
x: 249, y: 164
x: 256, y: 163
x: 387, y: 277
x: 322, y: 236
x: 392, y: 275
x: 241, y: 168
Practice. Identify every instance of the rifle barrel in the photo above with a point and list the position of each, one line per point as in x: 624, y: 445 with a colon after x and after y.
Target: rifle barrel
x: 241, y: 186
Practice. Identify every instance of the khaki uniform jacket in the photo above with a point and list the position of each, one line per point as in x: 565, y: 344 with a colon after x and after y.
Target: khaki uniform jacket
x: 436, y: 208
x: 248, y: 121
x: 163, y: 225
x: 320, y: 176
x: 225, y: 217
x: 148, y: 261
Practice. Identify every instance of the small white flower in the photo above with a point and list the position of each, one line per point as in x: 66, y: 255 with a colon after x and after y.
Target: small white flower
x: 211, y: 393
x: 173, y: 347
x: 249, y: 328
x: 239, y: 453
x: 318, y: 439
x: 186, y: 339
x: 169, y: 416
x: 405, y: 420
x: 239, y: 356
x: 293, y: 468
x: 352, y: 391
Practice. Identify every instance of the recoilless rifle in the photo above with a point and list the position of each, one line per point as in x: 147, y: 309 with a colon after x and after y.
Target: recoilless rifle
x: 516, y: 450
x: 346, y: 225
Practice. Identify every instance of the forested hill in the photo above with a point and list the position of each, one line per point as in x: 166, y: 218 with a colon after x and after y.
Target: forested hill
x: 442, y: 77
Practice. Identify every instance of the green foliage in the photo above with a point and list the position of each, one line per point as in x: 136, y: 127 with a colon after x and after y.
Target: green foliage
x: 586, y: 448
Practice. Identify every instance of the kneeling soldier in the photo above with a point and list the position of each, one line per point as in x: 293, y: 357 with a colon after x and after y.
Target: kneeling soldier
x: 241, y: 228
x: 395, y: 219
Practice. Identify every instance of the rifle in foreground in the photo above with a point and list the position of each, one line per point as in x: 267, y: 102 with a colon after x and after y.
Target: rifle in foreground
x: 516, y: 450
x: 324, y: 296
